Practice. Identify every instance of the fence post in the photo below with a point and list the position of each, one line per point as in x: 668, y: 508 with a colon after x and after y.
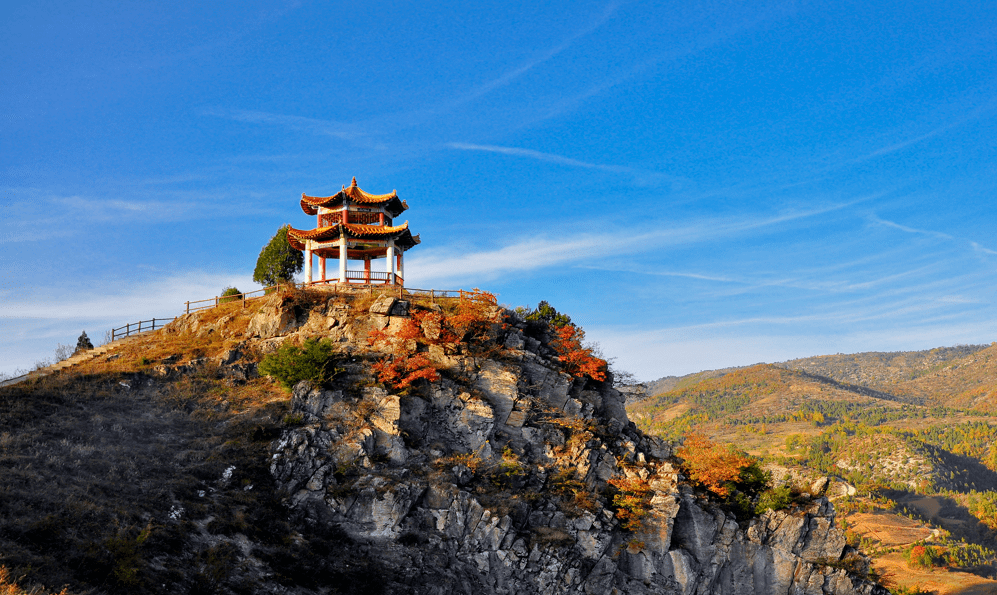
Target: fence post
x: 128, y: 329
x: 216, y: 301
x: 188, y: 307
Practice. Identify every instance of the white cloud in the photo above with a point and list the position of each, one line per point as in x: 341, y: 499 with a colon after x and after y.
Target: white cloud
x: 455, y: 264
x: 341, y: 130
x: 140, y: 300
x: 937, y: 234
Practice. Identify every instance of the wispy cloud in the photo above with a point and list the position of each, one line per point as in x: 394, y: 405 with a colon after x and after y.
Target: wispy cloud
x: 529, y: 65
x: 536, y: 253
x: 641, y: 176
x: 158, y: 296
x: 927, y: 232
x: 342, y: 130
x: 937, y: 234
x: 654, y: 273
x: 980, y: 248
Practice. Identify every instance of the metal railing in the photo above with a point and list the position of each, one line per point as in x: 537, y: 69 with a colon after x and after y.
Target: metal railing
x: 136, y: 327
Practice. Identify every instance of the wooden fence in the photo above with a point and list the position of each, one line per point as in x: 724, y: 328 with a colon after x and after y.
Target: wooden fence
x: 432, y: 294
x: 136, y: 327
x: 142, y: 326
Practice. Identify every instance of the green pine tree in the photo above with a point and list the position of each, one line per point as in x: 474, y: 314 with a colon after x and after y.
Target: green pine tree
x: 278, y: 261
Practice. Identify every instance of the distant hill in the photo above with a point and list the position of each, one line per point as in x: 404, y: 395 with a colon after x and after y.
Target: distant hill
x: 760, y: 394
x: 964, y: 376
x: 880, y: 369
x: 915, y: 432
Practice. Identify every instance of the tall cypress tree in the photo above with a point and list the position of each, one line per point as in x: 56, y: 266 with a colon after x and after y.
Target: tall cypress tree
x: 278, y: 261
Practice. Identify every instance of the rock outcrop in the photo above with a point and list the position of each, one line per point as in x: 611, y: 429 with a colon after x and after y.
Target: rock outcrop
x: 496, y: 476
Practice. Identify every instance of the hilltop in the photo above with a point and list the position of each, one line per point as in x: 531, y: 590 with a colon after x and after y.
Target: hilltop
x: 410, y: 446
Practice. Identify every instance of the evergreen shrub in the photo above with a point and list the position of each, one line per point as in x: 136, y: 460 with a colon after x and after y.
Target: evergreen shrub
x: 228, y: 293
x: 291, y: 364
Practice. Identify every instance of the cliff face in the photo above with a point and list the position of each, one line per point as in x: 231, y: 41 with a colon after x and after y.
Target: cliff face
x: 497, y: 476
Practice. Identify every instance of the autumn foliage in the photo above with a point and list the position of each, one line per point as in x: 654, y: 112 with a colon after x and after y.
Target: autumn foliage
x: 717, y: 467
x: 462, y: 324
x: 402, y: 371
x: 920, y: 556
x: 577, y: 360
x: 632, y: 502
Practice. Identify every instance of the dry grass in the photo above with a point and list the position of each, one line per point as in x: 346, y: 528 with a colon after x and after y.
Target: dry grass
x: 89, y: 461
x: 113, y: 476
x: 896, y: 573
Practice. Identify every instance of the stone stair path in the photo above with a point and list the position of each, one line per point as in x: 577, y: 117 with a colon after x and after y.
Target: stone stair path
x: 72, y: 361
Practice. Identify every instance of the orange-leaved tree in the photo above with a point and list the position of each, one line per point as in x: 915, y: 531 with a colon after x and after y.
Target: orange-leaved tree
x: 577, y: 360
x: 632, y: 501
x: 720, y: 468
x: 402, y: 371
x: 400, y: 367
x: 476, y: 310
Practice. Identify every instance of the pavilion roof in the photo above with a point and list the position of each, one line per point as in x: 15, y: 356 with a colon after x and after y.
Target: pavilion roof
x: 391, y: 203
x: 401, y: 234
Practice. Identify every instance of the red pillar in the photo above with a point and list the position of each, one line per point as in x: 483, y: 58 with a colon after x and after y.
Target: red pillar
x: 366, y: 270
x: 380, y: 218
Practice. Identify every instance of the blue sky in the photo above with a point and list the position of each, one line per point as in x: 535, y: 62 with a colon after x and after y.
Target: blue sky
x: 698, y: 185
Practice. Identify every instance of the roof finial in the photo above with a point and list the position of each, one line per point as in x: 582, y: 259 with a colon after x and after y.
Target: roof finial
x: 354, y: 184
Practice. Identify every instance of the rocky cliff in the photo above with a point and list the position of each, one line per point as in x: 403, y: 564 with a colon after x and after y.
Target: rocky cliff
x: 496, y: 473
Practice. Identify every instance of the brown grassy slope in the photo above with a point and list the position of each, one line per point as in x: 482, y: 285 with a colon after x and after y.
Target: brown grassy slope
x: 877, y: 369
x: 966, y: 382
x: 115, y: 479
x: 759, y: 394
x: 102, y: 473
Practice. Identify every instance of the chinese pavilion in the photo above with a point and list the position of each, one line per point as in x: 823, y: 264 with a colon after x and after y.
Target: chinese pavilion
x: 355, y: 225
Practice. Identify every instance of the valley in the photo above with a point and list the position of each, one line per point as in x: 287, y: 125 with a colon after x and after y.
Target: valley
x: 907, y: 440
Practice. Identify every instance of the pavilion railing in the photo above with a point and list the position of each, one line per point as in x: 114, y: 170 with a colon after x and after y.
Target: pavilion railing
x: 375, y: 277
